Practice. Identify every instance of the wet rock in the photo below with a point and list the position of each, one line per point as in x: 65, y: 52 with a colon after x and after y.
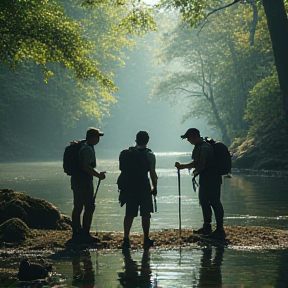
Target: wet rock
x: 32, y: 271
x: 14, y: 230
x: 35, y: 213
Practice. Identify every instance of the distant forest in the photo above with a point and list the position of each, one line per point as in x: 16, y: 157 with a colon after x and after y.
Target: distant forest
x: 227, y: 61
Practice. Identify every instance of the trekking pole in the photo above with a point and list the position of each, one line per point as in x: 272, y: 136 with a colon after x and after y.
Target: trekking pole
x: 179, y: 192
x: 94, y: 197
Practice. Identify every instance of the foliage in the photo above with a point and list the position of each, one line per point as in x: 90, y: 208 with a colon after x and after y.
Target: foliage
x: 78, y: 48
x: 41, y: 31
x: 210, y: 69
x: 264, y: 105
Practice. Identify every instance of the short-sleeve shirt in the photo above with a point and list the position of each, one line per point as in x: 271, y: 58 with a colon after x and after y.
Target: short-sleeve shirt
x: 203, y: 156
x: 87, y: 156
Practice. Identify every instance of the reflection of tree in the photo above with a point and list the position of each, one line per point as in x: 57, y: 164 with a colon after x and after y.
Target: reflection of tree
x: 83, y: 275
x: 134, y: 276
x: 210, y: 271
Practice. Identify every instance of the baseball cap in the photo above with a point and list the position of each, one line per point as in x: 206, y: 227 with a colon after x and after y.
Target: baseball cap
x: 94, y: 132
x: 191, y: 132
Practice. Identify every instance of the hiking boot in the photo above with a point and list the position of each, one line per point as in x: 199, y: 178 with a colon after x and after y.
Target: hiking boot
x: 148, y: 243
x: 205, y: 230
x: 87, y: 238
x: 126, y: 243
x: 77, y: 235
x: 218, y: 234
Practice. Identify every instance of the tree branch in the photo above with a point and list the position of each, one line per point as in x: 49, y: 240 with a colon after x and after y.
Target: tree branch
x: 218, y: 9
x: 193, y: 93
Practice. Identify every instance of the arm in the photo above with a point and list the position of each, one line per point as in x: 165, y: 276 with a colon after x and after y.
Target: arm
x: 154, y: 178
x: 184, y: 166
x: 86, y: 157
x: 93, y: 172
x: 152, y: 173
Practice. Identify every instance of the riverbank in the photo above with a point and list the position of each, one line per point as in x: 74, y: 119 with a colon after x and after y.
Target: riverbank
x: 45, y: 243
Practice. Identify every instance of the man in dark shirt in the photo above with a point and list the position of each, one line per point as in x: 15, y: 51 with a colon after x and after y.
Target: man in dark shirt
x: 139, y: 194
x: 209, y: 183
x: 82, y: 186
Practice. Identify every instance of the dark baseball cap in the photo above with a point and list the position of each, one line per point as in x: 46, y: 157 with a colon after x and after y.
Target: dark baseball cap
x: 191, y: 132
x: 94, y: 132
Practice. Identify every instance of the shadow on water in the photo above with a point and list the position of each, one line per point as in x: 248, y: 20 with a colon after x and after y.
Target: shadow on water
x: 210, y: 271
x: 196, y: 268
x: 135, y: 275
x: 138, y: 274
x: 83, y: 270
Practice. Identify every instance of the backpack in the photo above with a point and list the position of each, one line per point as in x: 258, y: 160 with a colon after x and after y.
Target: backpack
x: 134, y: 165
x: 222, y: 156
x: 70, y: 157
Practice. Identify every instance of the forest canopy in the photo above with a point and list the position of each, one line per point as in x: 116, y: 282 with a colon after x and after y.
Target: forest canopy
x: 59, y: 58
x: 223, y: 58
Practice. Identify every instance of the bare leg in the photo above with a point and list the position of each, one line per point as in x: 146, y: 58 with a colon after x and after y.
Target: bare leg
x: 128, y: 221
x: 76, y: 222
x: 146, y: 226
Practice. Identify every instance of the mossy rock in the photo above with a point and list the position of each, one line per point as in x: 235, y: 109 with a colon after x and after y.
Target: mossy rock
x: 14, y: 230
x: 36, y: 213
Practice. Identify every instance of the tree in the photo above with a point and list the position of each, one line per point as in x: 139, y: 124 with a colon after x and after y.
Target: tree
x: 211, y: 70
x: 196, y: 11
x: 278, y: 27
x: 78, y: 48
x: 40, y: 30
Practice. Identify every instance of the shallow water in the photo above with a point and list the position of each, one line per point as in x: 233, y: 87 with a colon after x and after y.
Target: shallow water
x: 249, y: 199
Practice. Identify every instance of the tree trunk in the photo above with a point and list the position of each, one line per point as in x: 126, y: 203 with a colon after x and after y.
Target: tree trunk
x: 278, y: 28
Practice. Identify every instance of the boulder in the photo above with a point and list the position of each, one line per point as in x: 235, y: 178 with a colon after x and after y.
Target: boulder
x: 34, y: 212
x: 14, y: 230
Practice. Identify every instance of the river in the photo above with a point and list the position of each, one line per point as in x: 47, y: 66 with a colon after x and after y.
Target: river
x: 249, y: 198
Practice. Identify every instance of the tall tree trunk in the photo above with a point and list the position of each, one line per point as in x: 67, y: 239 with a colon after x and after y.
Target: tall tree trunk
x: 278, y: 28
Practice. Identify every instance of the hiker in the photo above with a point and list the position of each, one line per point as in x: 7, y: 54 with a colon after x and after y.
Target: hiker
x: 210, y: 181
x: 82, y: 186
x: 134, y: 164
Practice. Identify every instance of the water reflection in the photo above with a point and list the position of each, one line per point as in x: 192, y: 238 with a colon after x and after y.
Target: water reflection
x: 133, y: 275
x: 210, y: 271
x: 83, y: 270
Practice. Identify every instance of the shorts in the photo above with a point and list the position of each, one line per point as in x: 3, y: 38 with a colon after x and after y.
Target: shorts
x: 83, y: 195
x: 136, y: 200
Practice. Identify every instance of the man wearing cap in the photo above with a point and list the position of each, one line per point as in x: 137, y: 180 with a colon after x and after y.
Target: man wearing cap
x: 139, y: 194
x: 210, y: 182
x: 82, y: 186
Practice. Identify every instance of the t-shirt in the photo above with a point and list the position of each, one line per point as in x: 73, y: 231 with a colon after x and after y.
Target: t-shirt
x: 203, y: 156
x: 87, y: 156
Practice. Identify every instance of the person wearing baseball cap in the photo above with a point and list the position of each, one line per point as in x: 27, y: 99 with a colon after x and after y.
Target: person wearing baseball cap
x: 209, y: 183
x: 83, y: 190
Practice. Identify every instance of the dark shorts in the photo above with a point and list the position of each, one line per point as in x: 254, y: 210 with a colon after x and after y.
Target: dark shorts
x: 82, y: 194
x: 136, y: 200
x: 209, y: 193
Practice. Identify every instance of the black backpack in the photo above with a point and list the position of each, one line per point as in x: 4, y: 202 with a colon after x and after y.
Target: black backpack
x: 222, y: 156
x: 70, y: 157
x: 134, y: 166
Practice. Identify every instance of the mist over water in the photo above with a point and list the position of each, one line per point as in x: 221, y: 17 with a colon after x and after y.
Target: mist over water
x: 136, y: 111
